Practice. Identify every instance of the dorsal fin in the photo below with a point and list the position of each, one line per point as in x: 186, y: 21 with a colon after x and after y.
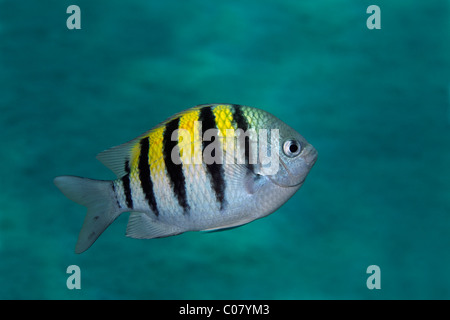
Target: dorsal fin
x: 116, y: 157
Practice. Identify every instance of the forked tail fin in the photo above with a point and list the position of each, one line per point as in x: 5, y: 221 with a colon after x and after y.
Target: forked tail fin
x: 98, y: 197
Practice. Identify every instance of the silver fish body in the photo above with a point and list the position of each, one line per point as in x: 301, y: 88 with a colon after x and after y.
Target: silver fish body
x: 211, y: 167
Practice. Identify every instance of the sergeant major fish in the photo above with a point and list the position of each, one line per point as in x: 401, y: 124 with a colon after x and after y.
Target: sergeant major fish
x: 169, y: 188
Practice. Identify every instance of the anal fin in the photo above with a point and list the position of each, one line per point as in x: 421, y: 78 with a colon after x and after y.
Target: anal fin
x: 141, y: 226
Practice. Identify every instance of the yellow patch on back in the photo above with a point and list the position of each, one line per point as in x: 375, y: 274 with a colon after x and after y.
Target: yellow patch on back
x: 187, y: 120
x: 224, y: 122
x: 224, y: 119
x: 155, y: 152
x: 189, y: 136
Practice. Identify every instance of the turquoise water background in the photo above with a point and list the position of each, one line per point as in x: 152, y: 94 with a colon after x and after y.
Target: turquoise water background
x: 374, y: 103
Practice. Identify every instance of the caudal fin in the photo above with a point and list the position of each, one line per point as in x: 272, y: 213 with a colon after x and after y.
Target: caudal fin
x: 97, y: 196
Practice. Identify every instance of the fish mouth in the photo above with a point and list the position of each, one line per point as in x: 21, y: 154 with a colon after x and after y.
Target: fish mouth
x: 284, y: 185
x: 294, y: 185
x: 310, y: 159
x: 274, y: 181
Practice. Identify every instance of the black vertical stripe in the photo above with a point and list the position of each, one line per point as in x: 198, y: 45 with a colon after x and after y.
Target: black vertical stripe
x: 145, y: 176
x: 126, y: 186
x: 215, y: 171
x: 242, y: 123
x: 115, y: 195
x: 175, y: 171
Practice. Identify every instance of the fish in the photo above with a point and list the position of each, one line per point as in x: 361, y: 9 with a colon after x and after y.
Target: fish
x: 209, y: 168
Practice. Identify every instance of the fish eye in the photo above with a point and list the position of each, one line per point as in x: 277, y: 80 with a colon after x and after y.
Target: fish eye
x: 292, y: 148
